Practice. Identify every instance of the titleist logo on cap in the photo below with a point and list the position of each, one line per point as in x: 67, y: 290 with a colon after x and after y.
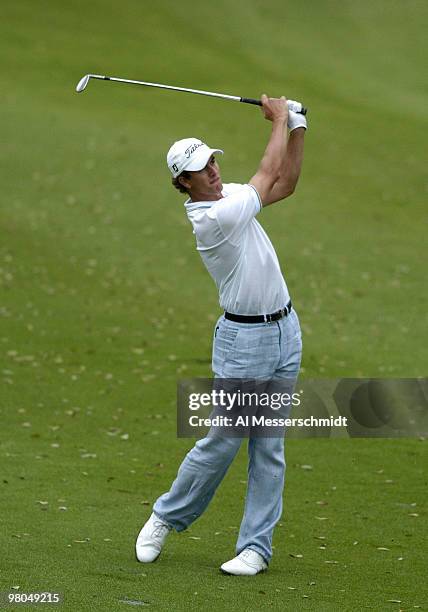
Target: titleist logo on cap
x: 188, y: 152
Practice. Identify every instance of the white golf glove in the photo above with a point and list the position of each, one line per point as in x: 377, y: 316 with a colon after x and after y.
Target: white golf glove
x: 294, y: 106
x: 295, y: 120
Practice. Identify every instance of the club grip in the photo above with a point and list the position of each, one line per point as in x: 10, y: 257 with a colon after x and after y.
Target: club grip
x: 251, y: 101
x: 303, y: 111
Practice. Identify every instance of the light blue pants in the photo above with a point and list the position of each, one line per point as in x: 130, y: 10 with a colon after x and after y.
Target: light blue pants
x: 240, y: 351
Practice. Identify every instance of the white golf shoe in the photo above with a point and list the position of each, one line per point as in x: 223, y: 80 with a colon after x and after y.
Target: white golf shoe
x: 151, y: 539
x: 247, y: 563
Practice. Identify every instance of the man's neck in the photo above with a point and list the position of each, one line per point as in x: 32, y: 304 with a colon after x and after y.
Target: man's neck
x: 201, y: 197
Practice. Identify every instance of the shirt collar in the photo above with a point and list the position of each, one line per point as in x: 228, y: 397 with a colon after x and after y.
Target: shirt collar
x: 194, y: 206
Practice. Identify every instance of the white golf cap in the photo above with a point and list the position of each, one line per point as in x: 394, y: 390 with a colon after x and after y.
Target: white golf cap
x: 189, y: 154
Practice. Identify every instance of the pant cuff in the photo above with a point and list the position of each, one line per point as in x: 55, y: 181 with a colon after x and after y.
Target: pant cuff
x: 257, y: 550
x: 164, y: 520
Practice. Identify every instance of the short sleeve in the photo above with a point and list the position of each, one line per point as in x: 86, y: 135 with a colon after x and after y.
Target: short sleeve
x: 235, y: 211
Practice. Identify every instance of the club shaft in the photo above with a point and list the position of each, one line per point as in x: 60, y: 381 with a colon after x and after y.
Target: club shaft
x: 83, y: 82
x: 171, y: 87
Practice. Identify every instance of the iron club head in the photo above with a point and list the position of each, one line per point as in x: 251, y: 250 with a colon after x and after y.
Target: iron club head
x: 82, y: 83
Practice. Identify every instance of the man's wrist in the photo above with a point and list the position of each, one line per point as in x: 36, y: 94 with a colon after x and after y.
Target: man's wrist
x: 281, y: 121
x: 299, y: 130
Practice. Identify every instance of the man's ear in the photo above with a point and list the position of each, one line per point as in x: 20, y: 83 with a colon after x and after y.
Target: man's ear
x: 183, y: 181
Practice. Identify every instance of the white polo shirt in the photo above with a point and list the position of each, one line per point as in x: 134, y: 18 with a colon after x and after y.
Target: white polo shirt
x: 237, y: 252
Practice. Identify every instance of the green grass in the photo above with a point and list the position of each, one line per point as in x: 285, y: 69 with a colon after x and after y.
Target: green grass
x: 335, y: 522
x: 105, y: 303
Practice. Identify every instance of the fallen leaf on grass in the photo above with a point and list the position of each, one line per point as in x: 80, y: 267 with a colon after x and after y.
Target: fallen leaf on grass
x: 113, y: 431
x: 85, y: 541
x: 138, y: 351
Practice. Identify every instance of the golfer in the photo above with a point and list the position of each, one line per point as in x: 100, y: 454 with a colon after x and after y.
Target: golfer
x: 257, y: 337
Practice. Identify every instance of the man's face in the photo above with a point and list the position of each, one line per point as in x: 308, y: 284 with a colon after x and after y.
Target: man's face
x: 205, y: 184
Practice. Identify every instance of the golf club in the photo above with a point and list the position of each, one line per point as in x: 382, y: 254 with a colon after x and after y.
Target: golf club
x: 292, y: 105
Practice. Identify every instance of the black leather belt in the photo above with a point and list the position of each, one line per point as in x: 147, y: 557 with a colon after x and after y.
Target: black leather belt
x: 268, y: 318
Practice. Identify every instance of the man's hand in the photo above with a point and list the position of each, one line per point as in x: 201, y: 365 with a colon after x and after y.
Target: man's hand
x: 274, y: 109
x: 296, y: 120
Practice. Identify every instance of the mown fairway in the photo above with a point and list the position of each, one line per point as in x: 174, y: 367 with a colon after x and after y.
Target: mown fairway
x: 105, y: 304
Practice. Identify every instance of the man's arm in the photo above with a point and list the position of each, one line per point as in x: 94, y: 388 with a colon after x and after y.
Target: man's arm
x: 269, y: 171
x: 290, y: 170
